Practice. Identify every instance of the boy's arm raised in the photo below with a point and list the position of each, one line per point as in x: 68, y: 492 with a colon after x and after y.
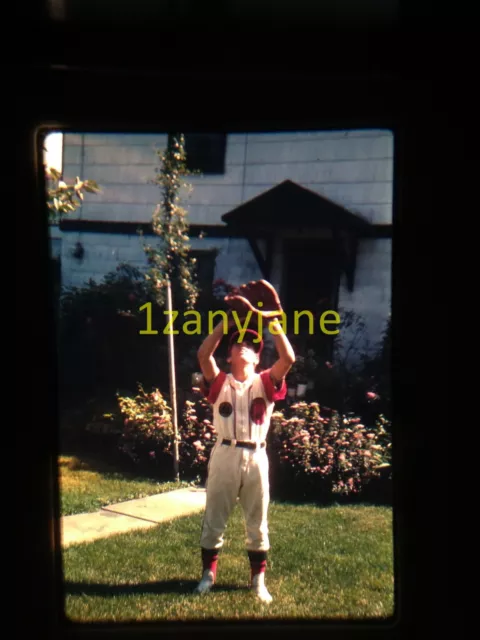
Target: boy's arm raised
x: 208, y: 347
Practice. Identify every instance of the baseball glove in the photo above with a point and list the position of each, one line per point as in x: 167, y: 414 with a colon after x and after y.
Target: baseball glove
x: 259, y: 297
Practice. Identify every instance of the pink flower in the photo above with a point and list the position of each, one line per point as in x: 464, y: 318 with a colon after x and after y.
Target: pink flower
x: 198, y: 445
x: 208, y: 436
x: 151, y: 454
x: 370, y: 436
x: 341, y: 456
x: 371, y: 395
x: 329, y: 365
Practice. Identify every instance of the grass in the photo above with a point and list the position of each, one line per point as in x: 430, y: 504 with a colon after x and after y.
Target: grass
x: 87, y: 485
x: 333, y: 562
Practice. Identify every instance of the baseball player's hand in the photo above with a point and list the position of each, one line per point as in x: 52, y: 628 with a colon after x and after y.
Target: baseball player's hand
x: 257, y: 296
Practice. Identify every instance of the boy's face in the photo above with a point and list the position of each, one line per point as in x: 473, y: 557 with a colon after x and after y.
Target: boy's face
x: 244, y: 352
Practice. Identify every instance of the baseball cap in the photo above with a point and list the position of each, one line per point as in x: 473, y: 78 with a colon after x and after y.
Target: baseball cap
x: 249, y: 336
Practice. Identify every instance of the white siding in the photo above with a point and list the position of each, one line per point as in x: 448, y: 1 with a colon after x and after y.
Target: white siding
x: 353, y: 169
x: 371, y: 297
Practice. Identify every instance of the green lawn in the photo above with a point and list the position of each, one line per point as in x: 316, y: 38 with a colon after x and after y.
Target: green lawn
x: 87, y: 485
x: 334, y: 562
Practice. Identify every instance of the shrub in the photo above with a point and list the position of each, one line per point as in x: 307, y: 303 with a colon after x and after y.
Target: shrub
x: 197, y: 437
x: 311, y: 453
x: 148, y: 433
x: 100, y: 347
x: 358, y: 379
x: 328, y: 455
x: 147, y: 436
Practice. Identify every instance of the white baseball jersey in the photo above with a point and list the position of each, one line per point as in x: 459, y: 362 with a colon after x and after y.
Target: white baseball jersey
x: 242, y: 410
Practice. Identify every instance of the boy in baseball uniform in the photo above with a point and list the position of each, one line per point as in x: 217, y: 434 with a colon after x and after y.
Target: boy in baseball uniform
x: 243, y: 402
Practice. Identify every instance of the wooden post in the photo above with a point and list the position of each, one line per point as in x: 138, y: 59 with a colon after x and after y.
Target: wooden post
x: 173, y: 388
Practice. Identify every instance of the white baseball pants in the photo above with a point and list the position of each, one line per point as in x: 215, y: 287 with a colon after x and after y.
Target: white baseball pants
x: 237, y: 472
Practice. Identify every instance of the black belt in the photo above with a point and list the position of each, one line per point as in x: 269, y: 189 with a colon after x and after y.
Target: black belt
x: 245, y: 445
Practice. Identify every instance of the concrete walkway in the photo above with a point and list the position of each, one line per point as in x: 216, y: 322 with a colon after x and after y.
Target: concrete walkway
x: 143, y: 513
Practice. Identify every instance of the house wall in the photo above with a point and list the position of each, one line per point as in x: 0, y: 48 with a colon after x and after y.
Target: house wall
x: 372, y: 295
x: 354, y: 169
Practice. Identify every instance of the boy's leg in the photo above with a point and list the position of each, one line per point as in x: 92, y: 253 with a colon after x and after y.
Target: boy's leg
x: 254, y: 498
x: 209, y: 574
x: 222, y: 491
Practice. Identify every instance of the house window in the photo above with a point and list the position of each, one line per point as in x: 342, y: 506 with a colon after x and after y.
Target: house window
x: 205, y: 270
x: 206, y: 152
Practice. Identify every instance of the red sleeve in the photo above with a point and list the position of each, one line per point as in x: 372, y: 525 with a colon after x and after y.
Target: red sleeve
x: 271, y: 391
x: 211, y: 391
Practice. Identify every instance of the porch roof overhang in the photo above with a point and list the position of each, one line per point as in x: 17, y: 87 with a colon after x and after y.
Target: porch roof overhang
x: 288, y: 205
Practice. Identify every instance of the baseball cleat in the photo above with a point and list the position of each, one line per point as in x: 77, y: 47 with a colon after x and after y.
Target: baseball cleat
x: 206, y: 583
x: 260, y: 590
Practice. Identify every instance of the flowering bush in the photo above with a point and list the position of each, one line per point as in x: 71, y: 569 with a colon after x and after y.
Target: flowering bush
x: 197, y: 437
x: 325, y: 454
x: 331, y: 454
x: 148, y: 430
x: 358, y: 379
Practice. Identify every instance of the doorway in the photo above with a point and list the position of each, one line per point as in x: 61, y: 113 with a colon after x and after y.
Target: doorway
x: 310, y: 283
